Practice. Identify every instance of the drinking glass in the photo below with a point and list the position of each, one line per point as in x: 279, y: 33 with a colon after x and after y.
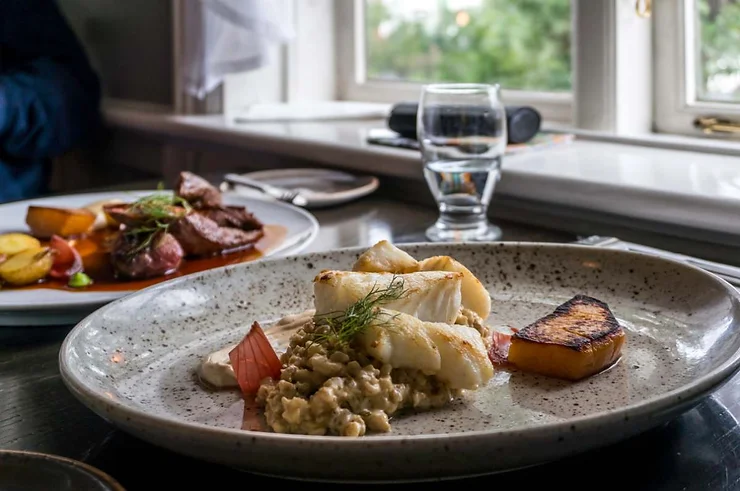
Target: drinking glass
x: 461, y: 129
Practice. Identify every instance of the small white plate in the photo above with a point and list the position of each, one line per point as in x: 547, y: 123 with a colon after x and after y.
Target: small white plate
x: 321, y: 187
x: 48, y: 306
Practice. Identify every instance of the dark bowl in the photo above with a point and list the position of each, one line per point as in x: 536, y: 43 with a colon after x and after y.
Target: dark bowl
x: 32, y: 471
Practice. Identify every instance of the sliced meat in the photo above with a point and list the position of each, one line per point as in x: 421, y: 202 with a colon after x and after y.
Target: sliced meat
x: 124, y: 214
x: 232, y: 216
x: 201, y: 236
x: 197, y: 191
x: 162, y: 257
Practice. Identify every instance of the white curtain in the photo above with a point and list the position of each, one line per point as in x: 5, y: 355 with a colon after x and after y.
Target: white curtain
x: 229, y: 36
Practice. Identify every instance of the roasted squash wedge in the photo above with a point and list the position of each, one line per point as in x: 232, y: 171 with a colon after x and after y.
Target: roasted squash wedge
x: 580, y: 338
x: 45, y: 221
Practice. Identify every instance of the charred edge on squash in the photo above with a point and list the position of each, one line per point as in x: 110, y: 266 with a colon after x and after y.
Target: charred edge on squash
x: 591, y: 333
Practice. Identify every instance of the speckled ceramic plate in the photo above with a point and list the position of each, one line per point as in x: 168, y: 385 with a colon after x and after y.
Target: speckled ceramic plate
x: 133, y: 361
x: 59, y: 307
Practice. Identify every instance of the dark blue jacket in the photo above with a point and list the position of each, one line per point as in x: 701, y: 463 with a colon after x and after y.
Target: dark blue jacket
x: 49, y: 95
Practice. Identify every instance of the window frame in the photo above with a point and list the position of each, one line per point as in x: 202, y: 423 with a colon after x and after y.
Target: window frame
x: 676, y: 102
x: 352, y: 83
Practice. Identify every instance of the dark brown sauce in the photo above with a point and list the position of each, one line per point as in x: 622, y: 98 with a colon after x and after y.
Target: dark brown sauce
x: 95, y: 257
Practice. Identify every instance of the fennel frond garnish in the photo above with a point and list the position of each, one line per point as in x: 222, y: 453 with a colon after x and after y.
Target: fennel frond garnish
x: 341, y: 327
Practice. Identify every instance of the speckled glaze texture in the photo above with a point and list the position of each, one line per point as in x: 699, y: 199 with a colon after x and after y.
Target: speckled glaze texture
x: 133, y: 363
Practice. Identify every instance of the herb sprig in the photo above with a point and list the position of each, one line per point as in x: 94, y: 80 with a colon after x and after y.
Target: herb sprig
x: 157, y: 213
x: 341, y: 327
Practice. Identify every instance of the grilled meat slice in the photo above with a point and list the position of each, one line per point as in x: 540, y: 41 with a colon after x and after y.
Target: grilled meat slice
x: 163, y: 256
x: 132, y: 217
x: 197, y: 191
x: 580, y: 338
x: 232, y: 216
x: 201, y: 236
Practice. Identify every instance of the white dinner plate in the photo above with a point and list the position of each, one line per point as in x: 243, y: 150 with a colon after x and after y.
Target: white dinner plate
x: 320, y: 187
x: 49, y: 306
x: 133, y: 363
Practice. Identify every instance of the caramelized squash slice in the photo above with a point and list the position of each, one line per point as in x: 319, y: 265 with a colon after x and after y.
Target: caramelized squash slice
x: 45, y: 221
x: 580, y: 338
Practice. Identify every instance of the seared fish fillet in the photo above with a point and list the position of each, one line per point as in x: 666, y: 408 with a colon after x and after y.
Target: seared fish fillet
x: 580, y: 338
x: 455, y: 354
x: 474, y: 295
x: 432, y: 296
x: 384, y: 257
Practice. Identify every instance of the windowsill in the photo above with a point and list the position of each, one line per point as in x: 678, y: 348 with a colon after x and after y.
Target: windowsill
x: 678, y: 185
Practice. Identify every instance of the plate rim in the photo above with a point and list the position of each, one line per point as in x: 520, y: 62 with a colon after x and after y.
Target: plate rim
x: 666, y: 401
x: 115, y: 295
x: 106, y: 478
x: 323, y: 198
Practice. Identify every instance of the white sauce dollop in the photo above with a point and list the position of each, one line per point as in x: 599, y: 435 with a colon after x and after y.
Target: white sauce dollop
x: 216, y: 369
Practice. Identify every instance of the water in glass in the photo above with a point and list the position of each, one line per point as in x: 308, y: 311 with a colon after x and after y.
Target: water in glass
x: 462, y: 132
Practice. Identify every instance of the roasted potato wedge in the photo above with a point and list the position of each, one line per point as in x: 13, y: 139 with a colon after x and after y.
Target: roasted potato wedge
x: 27, y: 267
x: 13, y: 243
x: 46, y: 221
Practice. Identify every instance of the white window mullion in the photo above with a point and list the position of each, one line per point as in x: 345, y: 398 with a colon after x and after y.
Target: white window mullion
x: 612, y: 49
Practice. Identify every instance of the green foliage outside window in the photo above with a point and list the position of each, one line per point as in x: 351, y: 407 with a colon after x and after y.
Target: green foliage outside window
x: 523, y: 44
x: 719, y: 52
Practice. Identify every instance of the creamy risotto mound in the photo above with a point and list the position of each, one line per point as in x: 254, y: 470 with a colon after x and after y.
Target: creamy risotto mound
x: 328, y: 387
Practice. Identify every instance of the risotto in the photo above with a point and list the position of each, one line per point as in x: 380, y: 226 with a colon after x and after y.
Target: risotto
x: 334, y: 389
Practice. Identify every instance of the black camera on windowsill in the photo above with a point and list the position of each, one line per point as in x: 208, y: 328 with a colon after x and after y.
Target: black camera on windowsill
x: 522, y: 122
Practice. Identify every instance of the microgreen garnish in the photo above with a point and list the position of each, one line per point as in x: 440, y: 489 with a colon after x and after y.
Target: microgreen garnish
x: 341, y: 327
x: 157, y: 212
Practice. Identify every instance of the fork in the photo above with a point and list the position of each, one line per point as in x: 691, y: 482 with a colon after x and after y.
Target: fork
x: 289, y: 195
x: 729, y: 273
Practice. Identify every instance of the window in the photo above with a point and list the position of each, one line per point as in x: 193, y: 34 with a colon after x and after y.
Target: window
x: 595, y: 64
x: 698, y: 64
x: 600, y: 66
x: 390, y: 47
x: 523, y: 45
x: 717, y: 50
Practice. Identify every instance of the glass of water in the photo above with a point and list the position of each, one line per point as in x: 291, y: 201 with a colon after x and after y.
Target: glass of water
x: 462, y: 132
